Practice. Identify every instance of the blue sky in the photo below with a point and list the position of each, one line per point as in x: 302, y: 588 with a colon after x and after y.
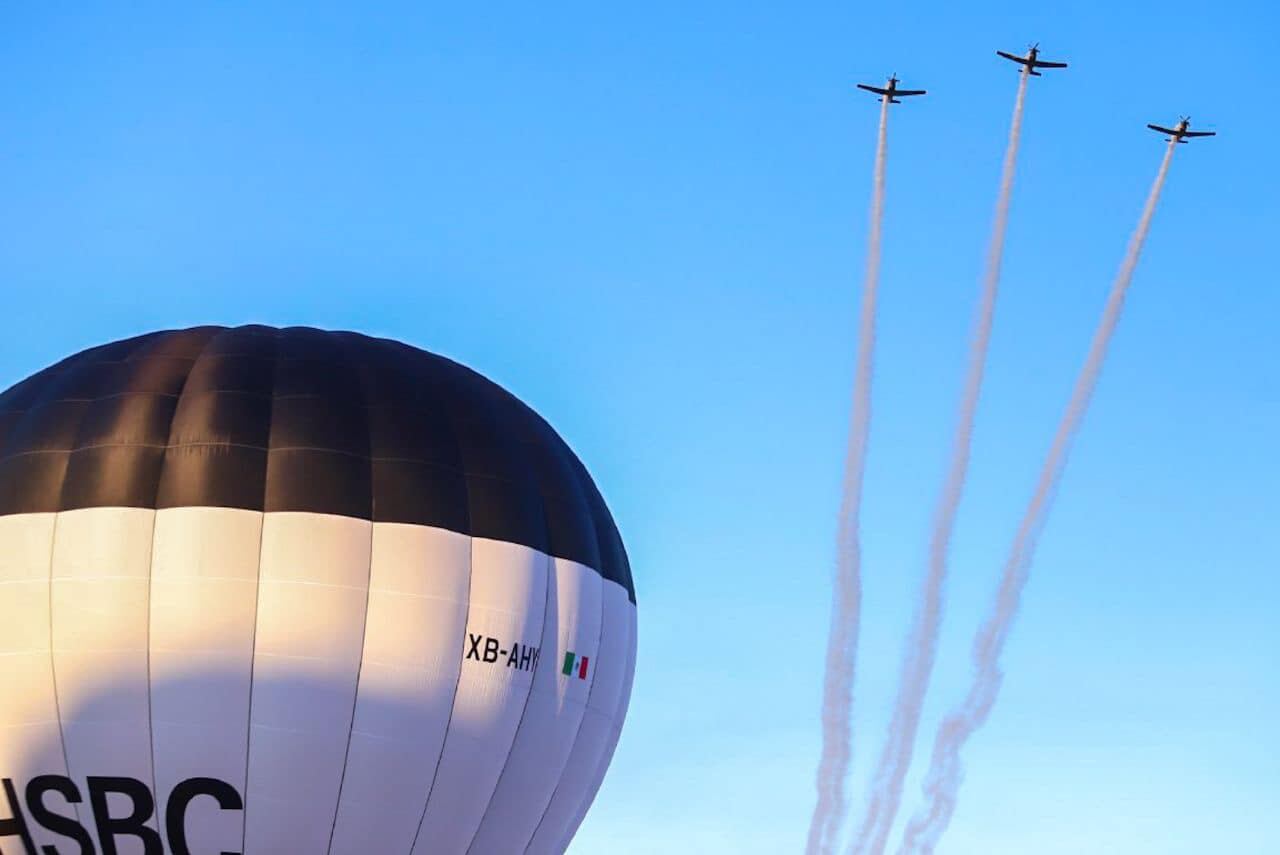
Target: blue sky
x: 649, y: 223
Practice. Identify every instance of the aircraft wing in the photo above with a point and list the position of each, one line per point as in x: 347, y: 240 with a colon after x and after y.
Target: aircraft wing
x: 1190, y: 133
x: 1021, y: 59
x: 1162, y: 130
x: 1042, y: 64
x: 909, y: 92
x: 877, y: 89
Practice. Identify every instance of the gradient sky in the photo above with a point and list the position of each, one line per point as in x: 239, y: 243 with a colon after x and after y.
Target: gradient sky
x: 648, y: 222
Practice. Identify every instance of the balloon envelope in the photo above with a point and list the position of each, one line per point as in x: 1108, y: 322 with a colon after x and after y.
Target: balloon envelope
x: 293, y: 591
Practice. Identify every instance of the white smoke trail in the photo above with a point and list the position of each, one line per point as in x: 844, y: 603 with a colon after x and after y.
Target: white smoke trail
x: 842, y: 643
x: 945, y: 773
x: 895, y: 759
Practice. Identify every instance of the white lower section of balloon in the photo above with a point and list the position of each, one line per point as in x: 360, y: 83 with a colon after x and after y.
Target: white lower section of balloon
x: 346, y: 686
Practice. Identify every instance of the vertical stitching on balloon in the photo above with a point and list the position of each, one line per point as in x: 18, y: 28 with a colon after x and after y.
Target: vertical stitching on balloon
x: 53, y: 660
x: 355, y: 698
x: 444, y: 744
x: 549, y: 563
x: 355, y: 692
x: 151, y: 578
x: 615, y: 730
x: 599, y: 641
x: 601, y: 767
x: 257, y: 599
x: 606, y: 545
x: 151, y: 736
x: 616, y: 720
x: 577, y: 732
x: 462, y: 642
x: 253, y: 659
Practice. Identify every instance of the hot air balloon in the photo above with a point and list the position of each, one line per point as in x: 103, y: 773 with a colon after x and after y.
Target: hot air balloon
x: 294, y: 591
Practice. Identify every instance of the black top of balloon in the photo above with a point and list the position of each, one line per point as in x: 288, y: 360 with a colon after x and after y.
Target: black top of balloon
x: 299, y: 419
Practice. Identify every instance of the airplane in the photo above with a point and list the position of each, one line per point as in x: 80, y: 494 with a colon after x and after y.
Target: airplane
x: 891, y: 90
x: 1032, y: 60
x: 1180, y: 133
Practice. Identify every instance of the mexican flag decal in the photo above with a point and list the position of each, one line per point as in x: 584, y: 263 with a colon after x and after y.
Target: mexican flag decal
x: 570, y: 660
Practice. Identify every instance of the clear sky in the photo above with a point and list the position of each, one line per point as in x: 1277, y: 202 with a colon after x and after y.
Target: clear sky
x: 648, y: 221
